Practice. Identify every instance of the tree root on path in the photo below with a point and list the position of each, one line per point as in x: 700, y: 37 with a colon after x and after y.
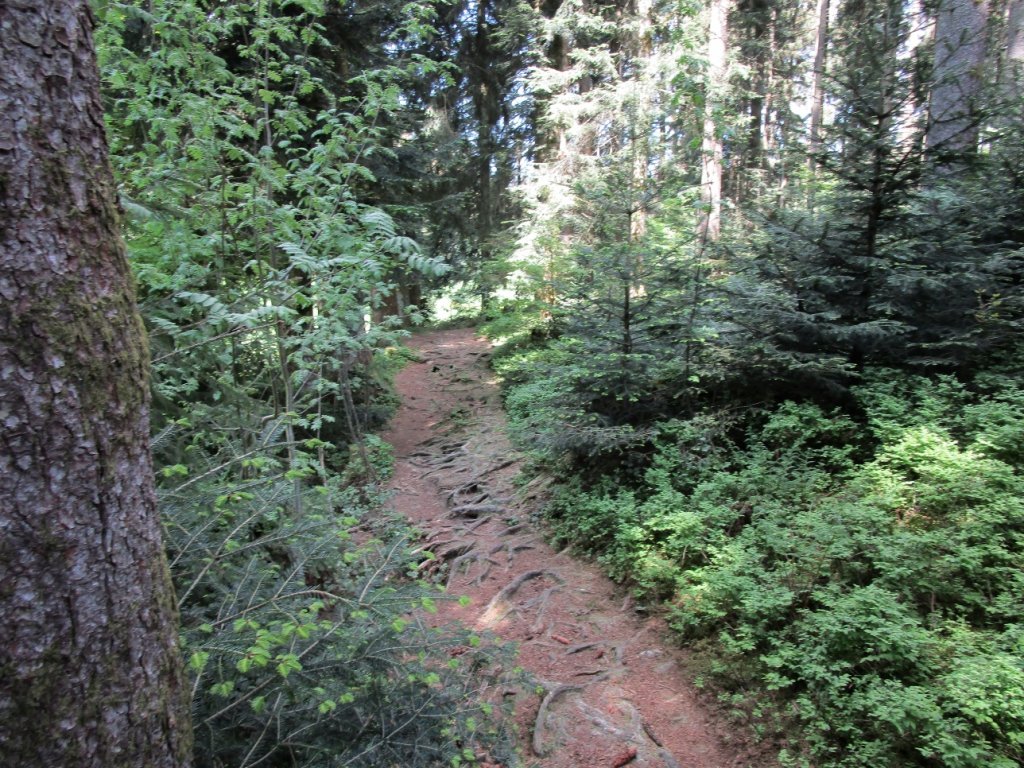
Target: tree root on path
x: 538, y: 724
x: 511, y: 547
x: 500, y: 466
x: 471, y: 486
x: 468, y: 559
x: 473, y: 483
x: 450, y: 549
x: 542, y: 600
x: 498, y: 607
x: 476, y: 524
x: 582, y: 647
x: 450, y: 466
x: 474, y: 511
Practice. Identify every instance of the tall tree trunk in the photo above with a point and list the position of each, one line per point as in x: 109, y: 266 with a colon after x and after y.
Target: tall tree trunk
x: 711, y: 146
x: 1015, y: 32
x: 1013, y: 65
x: 959, y: 54
x: 487, y: 104
x: 90, y: 673
x: 818, y: 88
x: 753, y: 47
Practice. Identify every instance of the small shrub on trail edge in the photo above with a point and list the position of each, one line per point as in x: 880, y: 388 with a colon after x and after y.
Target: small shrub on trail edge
x: 863, y: 585
x: 301, y: 636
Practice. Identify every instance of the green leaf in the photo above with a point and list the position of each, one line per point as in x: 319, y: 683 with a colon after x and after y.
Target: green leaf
x: 198, y: 660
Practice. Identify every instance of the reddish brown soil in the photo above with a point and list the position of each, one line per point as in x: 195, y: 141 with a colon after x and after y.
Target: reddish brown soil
x: 610, y: 685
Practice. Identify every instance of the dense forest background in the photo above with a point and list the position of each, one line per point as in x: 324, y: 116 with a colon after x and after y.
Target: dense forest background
x: 755, y: 267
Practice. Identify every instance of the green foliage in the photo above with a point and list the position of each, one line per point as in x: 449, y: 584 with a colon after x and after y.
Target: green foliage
x: 298, y: 633
x: 243, y: 159
x: 868, y: 581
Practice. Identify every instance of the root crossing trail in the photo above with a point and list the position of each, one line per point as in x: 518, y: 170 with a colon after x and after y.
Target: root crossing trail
x: 610, y: 691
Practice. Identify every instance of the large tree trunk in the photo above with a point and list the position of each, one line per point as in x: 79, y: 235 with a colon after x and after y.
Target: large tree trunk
x: 1015, y: 32
x: 1013, y: 64
x: 90, y: 673
x: 818, y: 87
x: 711, y: 145
x: 959, y: 53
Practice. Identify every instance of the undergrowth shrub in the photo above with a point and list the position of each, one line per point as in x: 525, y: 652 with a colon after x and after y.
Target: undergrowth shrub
x: 859, y: 577
x: 301, y: 632
x: 552, y: 408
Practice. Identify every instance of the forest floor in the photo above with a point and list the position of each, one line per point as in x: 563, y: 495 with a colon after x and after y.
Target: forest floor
x: 608, y: 688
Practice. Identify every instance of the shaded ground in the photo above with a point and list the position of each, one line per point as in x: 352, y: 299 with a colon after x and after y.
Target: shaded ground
x: 612, y: 693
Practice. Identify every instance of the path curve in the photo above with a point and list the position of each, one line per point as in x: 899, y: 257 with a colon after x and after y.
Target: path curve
x: 612, y: 691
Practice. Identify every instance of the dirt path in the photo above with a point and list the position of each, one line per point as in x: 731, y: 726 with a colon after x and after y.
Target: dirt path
x: 613, y: 693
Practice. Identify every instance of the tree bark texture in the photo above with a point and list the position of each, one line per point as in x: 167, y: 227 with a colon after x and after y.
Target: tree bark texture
x: 90, y: 673
x: 1013, y: 67
x: 959, y: 53
x: 818, y: 88
x: 711, y: 144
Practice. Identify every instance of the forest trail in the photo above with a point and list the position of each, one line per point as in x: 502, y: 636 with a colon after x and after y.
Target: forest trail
x: 613, y: 690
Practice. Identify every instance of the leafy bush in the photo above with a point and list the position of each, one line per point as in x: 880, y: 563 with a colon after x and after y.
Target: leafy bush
x: 866, y: 581
x: 241, y: 141
x: 301, y: 638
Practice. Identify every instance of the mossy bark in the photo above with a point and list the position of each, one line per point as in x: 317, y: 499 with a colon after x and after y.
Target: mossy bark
x: 90, y: 672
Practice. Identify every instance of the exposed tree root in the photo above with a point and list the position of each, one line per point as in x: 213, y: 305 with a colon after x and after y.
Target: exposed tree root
x: 498, y: 467
x: 513, y: 586
x: 511, y: 547
x: 469, y: 487
x: 451, y: 549
x: 467, y: 560
x: 474, y: 511
x: 447, y: 466
x: 538, y: 724
x: 596, y: 673
x: 542, y: 602
x: 476, y: 523
x: 498, y: 606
